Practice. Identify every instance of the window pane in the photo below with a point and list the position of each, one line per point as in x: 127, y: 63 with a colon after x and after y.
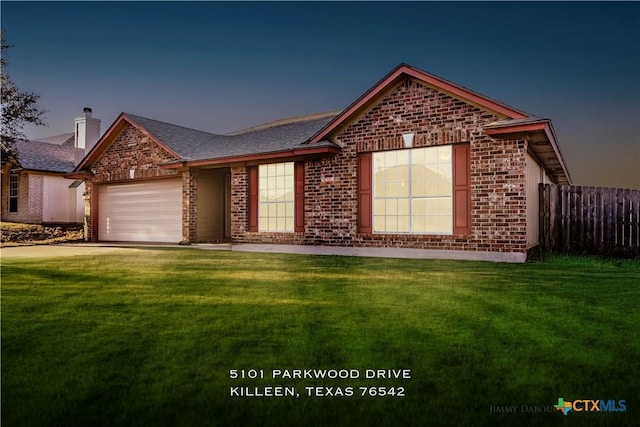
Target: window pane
x: 391, y: 223
x: 444, y: 206
x: 444, y: 154
x: 431, y: 187
x: 418, y: 207
x: 418, y: 224
x: 430, y: 155
x: 391, y: 189
x: 379, y: 224
x: 379, y: 185
x: 276, y: 196
x: 402, y: 158
x: 412, y: 190
x: 288, y: 169
x: 392, y: 207
x: 403, y: 207
x: 403, y: 224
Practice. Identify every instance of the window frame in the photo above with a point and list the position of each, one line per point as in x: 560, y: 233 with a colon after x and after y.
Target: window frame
x: 283, y: 182
x: 411, y: 198
x: 14, y: 185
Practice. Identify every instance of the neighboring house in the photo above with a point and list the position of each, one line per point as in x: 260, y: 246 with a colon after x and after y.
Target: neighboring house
x: 34, y: 189
x: 416, y: 162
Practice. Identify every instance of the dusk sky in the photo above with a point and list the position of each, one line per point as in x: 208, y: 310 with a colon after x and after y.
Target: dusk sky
x: 221, y: 67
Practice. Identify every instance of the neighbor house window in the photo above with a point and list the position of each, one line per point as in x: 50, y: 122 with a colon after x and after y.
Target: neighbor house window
x: 13, y: 192
x: 412, y: 191
x: 276, y: 197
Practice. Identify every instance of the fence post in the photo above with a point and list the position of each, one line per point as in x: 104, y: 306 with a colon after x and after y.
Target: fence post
x: 543, y: 212
x: 553, y: 217
x: 635, y: 219
x: 608, y: 202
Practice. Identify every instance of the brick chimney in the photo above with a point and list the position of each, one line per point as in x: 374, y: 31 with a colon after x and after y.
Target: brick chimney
x: 87, y: 133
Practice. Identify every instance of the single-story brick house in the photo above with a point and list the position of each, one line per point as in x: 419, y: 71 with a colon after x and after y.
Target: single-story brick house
x: 34, y: 187
x: 415, y: 162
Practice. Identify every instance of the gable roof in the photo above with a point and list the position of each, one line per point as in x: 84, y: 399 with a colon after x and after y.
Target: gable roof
x: 199, y: 147
x: 514, y: 123
x: 311, y: 135
x: 45, y: 156
x: 182, y: 141
x: 190, y: 144
x: 397, y: 75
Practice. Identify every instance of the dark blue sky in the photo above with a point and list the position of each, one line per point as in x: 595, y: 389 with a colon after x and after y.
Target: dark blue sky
x: 225, y: 66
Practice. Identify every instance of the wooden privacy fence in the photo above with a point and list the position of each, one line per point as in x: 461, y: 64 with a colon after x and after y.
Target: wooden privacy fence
x: 593, y: 220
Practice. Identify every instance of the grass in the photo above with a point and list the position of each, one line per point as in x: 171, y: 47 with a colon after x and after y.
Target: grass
x: 148, y: 337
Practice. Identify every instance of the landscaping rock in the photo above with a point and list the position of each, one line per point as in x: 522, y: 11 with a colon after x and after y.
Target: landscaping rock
x: 14, y: 234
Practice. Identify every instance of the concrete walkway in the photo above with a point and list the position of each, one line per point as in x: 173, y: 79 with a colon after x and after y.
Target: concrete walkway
x: 106, y: 248
x: 382, y: 252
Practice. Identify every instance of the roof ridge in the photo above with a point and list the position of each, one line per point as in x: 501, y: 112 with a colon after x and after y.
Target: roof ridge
x: 56, y: 139
x: 285, y: 121
x: 135, y: 116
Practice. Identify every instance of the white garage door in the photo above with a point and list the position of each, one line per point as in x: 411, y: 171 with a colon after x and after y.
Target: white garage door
x: 141, y: 212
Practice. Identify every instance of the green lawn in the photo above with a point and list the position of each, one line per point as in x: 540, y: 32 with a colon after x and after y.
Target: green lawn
x: 148, y: 337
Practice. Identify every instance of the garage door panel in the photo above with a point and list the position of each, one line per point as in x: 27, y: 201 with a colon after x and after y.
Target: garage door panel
x: 141, y: 212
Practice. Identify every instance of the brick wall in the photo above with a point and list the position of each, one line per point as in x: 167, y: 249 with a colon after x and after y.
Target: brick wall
x: 189, y: 205
x: 30, y: 197
x: 130, y: 151
x: 239, y: 204
x: 89, y: 208
x: 497, y: 176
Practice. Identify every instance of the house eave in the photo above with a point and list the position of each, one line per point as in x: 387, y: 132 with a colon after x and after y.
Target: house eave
x: 36, y: 170
x: 542, y: 143
x: 84, y: 175
x: 250, y: 159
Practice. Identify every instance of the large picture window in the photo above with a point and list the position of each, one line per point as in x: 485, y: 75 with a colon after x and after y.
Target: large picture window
x: 276, y: 197
x: 412, y: 191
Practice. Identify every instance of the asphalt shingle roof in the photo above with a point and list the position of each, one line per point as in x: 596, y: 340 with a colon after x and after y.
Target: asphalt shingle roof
x: 191, y: 144
x: 43, y: 156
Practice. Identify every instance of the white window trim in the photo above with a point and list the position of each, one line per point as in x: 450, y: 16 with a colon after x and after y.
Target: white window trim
x: 262, y: 204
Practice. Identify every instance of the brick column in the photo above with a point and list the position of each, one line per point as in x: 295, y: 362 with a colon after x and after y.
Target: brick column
x: 189, y: 206
x: 239, y: 203
x: 88, y: 220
